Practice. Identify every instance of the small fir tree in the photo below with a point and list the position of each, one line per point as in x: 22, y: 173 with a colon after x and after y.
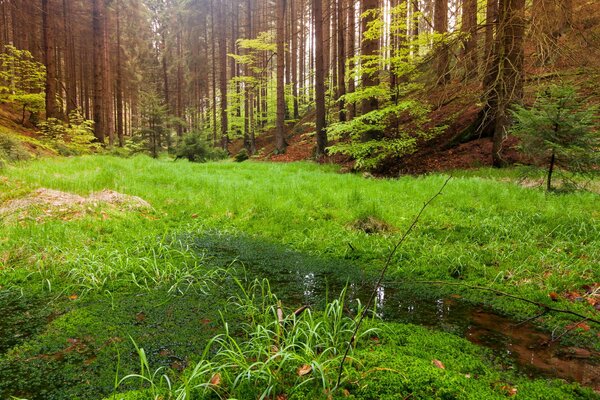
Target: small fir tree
x: 561, y: 129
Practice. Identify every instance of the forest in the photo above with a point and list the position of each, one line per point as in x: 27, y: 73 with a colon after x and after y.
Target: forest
x: 299, y: 199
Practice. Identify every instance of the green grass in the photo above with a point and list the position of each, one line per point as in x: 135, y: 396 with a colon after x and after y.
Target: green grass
x: 484, y: 230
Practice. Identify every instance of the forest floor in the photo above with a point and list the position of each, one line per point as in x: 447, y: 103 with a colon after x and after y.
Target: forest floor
x: 99, y: 252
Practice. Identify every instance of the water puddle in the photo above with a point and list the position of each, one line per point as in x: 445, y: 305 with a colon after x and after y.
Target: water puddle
x: 300, y: 279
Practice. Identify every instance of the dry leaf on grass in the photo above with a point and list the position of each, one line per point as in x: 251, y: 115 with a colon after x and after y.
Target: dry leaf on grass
x: 303, y: 370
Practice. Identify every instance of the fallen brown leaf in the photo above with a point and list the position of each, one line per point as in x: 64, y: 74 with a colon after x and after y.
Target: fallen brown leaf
x: 438, y: 364
x: 216, y: 379
x: 303, y: 370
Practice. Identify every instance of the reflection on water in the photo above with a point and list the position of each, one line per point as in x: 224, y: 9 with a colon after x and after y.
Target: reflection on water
x: 524, y: 344
x: 301, y: 279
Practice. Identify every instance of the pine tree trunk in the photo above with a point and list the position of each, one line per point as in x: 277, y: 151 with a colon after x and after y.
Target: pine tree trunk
x: 509, y: 84
x: 341, y: 58
x: 294, y: 57
x: 319, y: 79
x: 52, y: 110
x: 280, y: 143
x: 351, y: 34
x: 119, y: 81
x: 440, y: 25
x: 369, y: 51
x: 98, y: 63
x: 223, y: 74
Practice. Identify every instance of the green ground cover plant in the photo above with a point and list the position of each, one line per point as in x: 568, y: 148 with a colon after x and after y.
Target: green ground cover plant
x: 158, y: 274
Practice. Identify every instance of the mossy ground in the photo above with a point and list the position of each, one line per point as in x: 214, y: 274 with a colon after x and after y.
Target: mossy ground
x: 90, y: 283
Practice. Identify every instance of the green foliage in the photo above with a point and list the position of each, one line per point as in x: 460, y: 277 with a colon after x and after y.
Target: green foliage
x: 72, y: 138
x: 276, y: 351
x: 370, y: 154
x: 22, y: 80
x: 242, y: 155
x: 394, y: 129
x: 194, y: 148
x: 11, y: 150
x: 155, y: 134
x: 562, y: 128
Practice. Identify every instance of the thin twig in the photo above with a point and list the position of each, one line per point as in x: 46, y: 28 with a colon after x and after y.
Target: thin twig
x: 567, y: 330
x: 381, y: 276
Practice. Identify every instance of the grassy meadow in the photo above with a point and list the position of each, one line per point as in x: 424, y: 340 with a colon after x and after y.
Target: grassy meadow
x: 80, y: 284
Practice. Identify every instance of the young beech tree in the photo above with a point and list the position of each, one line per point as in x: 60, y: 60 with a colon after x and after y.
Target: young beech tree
x: 22, y: 80
x: 561, y: 129
x: 397, y: 67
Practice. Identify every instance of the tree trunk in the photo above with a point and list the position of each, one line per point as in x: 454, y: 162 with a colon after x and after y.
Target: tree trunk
x: 48, y: 37
x: 469, y: 28
x: 223, y: 74
x: 509, y: 83
x: 341, y: 58
x: 351, y: 34
x: 119, y: 81
x: 294, y: 58
x: 440, y: 26
x: 550, y: 171
x: 280, y: 143
x: 369, y: 54
x: 98, y: 61
x: 319, y: 79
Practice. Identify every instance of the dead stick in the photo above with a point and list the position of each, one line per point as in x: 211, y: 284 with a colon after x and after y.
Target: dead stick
x: 381, y: 276
x: 567, y: 330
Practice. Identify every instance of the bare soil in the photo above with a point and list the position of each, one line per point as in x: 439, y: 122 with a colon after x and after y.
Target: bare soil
x: 46, y: 203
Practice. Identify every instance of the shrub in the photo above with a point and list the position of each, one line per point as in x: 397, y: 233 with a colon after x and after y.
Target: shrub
x: 196, y: 149
x: 242, y: 156
x: 11, y: 150
x: 561, y: 129
x: 72, y: 138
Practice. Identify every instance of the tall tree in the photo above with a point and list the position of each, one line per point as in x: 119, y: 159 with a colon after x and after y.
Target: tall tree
x: 280, y: 142
x: 48, y: 39
x: 319, y: 78
x: 440, y: 26
x: 369, y: 60
x: 223, y: 73
x: 98, y: 27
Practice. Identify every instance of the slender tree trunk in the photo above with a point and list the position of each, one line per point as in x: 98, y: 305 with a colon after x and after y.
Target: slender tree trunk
x: 443, y: 54
x: 48, y: 37
x: 319, y: 78
x: 294, y: 58
x: 469, y: 28
x: 351, y: 34
x: 280, y: 143
x: 214, y: 73
x: 119, y: 81
x: 550, y: 171
x: 223, y: 74
x: 369, y: 58
x: 509, y: 84
x: 98, y: 61
x: 341, y: 58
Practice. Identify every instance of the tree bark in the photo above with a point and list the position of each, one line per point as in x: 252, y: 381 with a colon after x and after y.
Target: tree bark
x: 369, y: 53
x: 98, y: 66
x: 223, y: 74
x: 48, y: 38
x: 280, y: 143
x: 319, y: 79
x: 341, y: 58
x: 440, y: 25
